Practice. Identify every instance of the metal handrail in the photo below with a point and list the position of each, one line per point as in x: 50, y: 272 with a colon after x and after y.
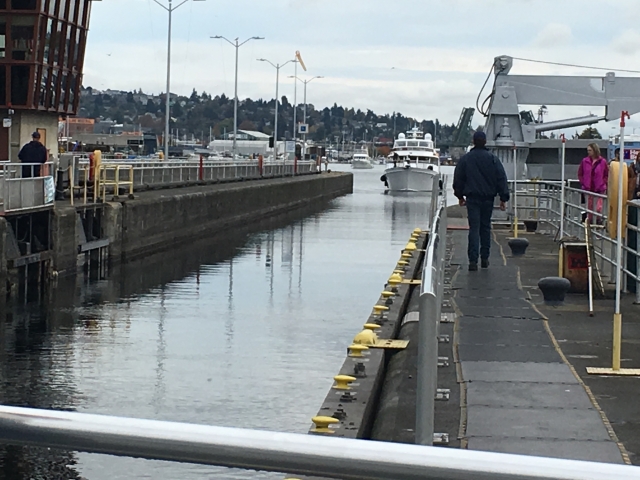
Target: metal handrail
x: 150, y: 173
x: 431, y: 292
x: 342, y: 458
x: 21, y: 190
x: 578, y: 202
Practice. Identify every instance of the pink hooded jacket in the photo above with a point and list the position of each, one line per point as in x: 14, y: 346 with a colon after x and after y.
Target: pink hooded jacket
x: 594, y: 176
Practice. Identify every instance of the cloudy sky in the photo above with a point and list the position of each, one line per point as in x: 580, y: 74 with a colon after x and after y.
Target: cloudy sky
x: 424, y: 58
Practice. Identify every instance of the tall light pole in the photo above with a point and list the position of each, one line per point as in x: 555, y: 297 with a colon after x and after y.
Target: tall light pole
x: 297, y: 61
x: 275, y: 126
x: 170, y: 10
x: 304, y: 146
x: 235, y: 96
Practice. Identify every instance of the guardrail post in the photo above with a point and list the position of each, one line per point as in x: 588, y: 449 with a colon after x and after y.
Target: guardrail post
x: 427, y: 369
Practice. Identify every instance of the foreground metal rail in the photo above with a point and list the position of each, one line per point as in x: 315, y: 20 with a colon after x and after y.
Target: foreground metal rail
x: 431, y: 292
x: 284, y: 452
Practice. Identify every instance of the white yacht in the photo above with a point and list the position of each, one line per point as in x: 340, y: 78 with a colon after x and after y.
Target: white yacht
x: 413, y: 164
x: 361, y: 160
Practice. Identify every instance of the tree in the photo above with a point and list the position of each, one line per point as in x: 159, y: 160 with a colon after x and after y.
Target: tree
x: 589, y: 133
x: 247, y: 125
x: 151, y: 107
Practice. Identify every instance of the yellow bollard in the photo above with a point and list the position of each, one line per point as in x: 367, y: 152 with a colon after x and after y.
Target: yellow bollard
x: 395, y: 279
x: 410, y: 247
x: 398, y: 272
x: 404, y: 263
x: 323, y: 423
x: 387, y: 294
x: 406, y: 255
x: 357, y: 350
x: 365, y: 337
x: 371, y: 326
x: 380, y: 309
x: 417, y: 230
x: 343, y: 381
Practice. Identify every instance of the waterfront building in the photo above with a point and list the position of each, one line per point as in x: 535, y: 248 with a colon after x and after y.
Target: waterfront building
x: 42, y: 47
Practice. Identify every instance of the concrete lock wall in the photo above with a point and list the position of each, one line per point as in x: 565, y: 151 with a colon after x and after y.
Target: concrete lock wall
x: 160, y: 219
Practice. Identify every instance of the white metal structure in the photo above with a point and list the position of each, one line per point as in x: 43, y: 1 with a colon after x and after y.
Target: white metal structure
x: 23, y: 188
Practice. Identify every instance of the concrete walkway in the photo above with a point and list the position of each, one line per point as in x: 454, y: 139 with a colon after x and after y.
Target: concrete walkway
x: 519, y: 394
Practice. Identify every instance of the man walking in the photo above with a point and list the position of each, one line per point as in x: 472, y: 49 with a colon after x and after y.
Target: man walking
x: 33, y: 152
x: 478, y: 178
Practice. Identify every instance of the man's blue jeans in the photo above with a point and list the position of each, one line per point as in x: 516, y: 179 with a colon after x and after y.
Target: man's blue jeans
x: 479, y: 211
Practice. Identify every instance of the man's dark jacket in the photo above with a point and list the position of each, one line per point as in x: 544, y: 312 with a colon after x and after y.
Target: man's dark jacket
x: 480, y: 174
x: 32, y: 152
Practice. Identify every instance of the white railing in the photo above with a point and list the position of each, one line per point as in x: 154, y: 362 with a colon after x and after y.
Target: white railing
x: 152, y: 173
x: 431, y: 293
x: 541, y: 202
x: 25, y: 186
x: 291, y: 453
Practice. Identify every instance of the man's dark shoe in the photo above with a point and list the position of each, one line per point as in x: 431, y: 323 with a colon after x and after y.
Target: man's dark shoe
x: 484, y: 263
x: 473, y: 267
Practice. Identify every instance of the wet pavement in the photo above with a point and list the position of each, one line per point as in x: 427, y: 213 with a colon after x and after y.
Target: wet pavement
x: 243, y: 329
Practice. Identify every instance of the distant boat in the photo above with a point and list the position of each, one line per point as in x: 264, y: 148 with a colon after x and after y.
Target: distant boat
x: 413, y: 164
x: 361, y: 160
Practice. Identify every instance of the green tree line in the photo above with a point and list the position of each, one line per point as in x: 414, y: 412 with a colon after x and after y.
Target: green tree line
x: 197, y: 113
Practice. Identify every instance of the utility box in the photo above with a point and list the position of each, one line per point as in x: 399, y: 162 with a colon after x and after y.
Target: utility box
x: 574, y: 265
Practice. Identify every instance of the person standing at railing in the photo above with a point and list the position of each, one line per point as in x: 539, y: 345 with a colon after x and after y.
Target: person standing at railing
x: 479, y: 176
x: 593, y: 174
x: 33, y: 152
x: 634, y: 178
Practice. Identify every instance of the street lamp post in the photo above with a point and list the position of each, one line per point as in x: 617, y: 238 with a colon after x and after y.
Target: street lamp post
x: 170, y: 10
x: 304, y: 111
x: 275, y: 126
x: 235, y: 96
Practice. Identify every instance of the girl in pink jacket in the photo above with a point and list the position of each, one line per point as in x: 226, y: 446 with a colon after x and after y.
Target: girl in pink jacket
x: 594, y: 175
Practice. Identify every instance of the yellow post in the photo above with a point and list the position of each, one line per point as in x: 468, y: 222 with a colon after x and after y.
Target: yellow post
x: 617, y: 340
x: 561, y: 261
x: 71, y: 182
x: 97, y: 160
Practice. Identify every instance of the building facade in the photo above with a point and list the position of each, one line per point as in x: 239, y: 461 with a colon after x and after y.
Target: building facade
x: 42, y: 46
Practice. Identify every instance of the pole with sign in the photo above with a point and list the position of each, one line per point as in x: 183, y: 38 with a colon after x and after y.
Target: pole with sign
x: 617, y: 316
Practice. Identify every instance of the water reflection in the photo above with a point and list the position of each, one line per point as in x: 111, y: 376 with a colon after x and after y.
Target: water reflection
x: 243, y: 329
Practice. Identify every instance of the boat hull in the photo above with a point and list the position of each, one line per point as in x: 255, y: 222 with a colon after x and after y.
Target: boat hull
x: 361, y: 164
x: 401, y: 179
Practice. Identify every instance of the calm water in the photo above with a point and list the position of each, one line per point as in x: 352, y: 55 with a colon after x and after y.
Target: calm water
x: 245, y: 330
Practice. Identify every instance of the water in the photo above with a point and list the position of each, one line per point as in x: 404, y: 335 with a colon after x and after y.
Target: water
x: 245, y: 330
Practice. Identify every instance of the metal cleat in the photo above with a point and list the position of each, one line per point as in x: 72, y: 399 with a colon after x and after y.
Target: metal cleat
x: 442, y: 395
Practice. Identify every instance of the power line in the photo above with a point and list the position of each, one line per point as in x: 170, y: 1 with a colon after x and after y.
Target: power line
x: 576, y: 66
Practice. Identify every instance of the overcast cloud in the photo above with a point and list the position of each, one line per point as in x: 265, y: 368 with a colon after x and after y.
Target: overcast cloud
x: 423, y: 58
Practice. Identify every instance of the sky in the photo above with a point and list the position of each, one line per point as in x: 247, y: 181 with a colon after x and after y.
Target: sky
x: 424, y: 58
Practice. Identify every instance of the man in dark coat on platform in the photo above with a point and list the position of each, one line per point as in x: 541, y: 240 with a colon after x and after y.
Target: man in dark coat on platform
x: 33, y: 152
x: 478, y: 178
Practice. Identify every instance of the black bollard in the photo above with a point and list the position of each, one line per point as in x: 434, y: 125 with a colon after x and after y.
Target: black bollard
x: 554, y: 289
x: 531, y: 225
x: 518, y: 246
